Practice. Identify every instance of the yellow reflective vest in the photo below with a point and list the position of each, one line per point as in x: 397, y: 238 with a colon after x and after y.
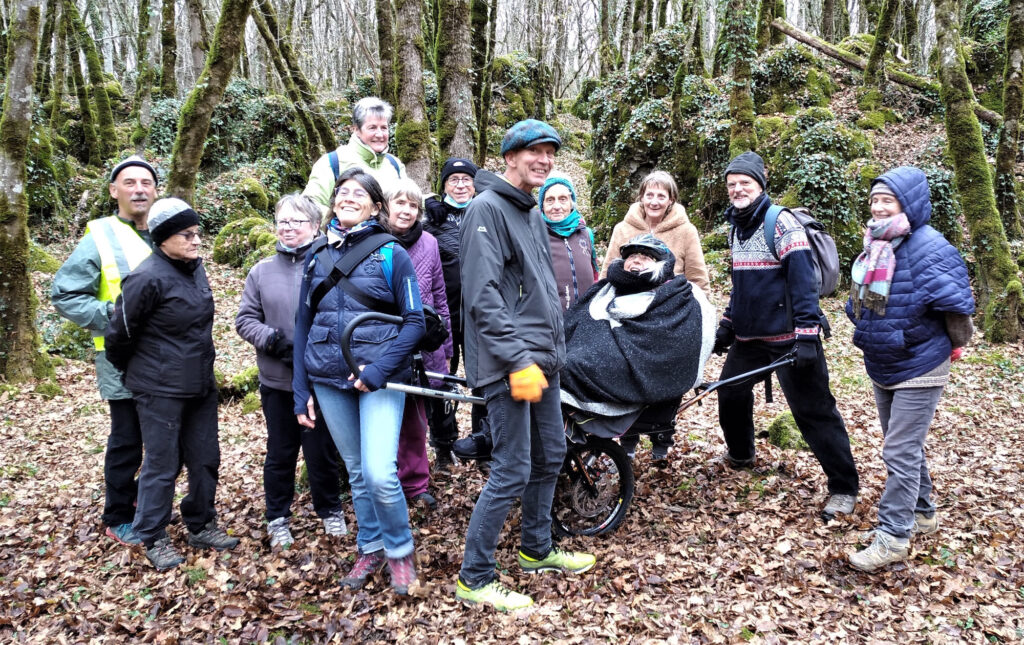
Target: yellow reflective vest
x: 120, y: 249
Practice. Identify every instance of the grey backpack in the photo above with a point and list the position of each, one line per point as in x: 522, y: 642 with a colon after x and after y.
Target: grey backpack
x: 823, y: 247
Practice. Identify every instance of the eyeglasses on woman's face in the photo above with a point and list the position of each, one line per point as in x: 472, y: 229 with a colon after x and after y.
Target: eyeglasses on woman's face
x: 291, y: 223
x: 188, y: 235
x: 356, y: 193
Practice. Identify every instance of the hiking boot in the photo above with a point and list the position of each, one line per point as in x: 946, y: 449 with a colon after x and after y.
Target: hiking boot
x: 279, y: 533
x: 838, y: 504
x: 924, y: 525
x: 444, y: 459
x: 403, y: 573
x: 426, y: 499
x: 739, y: 464
x: 557, y: 560
x: 659, y: 453
x: 212, y: 537
x: 163, y: 556
x: 885, y: 549
x: 124, y: 533
x: 334, y: 524
x: 494, y: 594
x: 366, y: 565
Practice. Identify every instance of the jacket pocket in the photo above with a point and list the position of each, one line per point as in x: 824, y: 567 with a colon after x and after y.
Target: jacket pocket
x: 318, y: 350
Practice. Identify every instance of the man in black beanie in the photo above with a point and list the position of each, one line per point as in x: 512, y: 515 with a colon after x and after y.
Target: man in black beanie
x: 772, y: 310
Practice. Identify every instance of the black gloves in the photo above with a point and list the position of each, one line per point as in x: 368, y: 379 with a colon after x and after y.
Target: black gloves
x: 806, y: 353
x: 724, y: 337
x: 279, y: 347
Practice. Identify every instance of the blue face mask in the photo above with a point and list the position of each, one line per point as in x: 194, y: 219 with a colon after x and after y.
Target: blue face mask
x: 448, y: 199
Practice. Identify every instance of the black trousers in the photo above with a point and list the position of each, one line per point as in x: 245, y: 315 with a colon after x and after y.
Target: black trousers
x: 810, y: 399
x: 121, y: 463
x: 174, y: 431
x: 284, y: 438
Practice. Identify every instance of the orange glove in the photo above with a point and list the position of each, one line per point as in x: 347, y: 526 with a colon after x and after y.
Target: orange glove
x: 528, y: 384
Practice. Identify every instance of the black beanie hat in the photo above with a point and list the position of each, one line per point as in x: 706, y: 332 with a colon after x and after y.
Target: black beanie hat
x: 457, y: 164
x: 750, y: 164
x: 168, y: 216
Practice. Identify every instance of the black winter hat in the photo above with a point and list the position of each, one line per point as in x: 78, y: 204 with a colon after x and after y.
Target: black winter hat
x: 750, y: 164
x: 457, y: 164
x: 168, y: 216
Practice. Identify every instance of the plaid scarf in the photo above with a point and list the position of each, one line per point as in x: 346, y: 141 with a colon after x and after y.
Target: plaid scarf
x: 873, y: 269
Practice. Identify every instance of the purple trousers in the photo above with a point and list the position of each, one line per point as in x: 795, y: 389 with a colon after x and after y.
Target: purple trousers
x: 413, y: 466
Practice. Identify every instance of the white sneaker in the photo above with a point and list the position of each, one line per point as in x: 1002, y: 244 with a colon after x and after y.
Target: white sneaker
x: 885, y: 549
x: 279, y: 533
x: 334, y: 524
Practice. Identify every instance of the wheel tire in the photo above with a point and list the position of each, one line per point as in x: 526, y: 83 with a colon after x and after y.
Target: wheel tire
x: 582, y: 509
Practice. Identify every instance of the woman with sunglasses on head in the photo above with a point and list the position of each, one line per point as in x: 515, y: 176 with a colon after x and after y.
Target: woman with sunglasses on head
x: 363, y: 418
x: 161, y: 337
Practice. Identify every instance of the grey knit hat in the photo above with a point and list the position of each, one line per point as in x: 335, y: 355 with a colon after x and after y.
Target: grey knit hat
x: 879, y: 187
x: 134, y: 160
x: 167, y: 216
x: 750, y: 164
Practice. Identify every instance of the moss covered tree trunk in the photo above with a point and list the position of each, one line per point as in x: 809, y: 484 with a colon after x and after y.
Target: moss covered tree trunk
x: 998, y: 279
x: 324, y: 135
x: 168, y: 51
x: 194, y: 120
x: 478, y: 52
x: 144, y: 82
x: 456, y: 127
x: 765, y: 15
x: 606, y: 49
x: 60, y: 61
x: 484, y: 117
x: 197, y: 39
x: 908, y: 31
x: 740, y: 51
x: 44, y: 58
x: 639, y: 10
x: 386, y: 50
x: 19, y: 340
x: 412, y: 134
x: 104, y: 115
x: 1009, y: 137
x: 85, y: 111
x: 874, y: 73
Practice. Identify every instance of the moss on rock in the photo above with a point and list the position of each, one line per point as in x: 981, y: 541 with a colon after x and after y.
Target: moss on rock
x: 48, y: 389
x: 40, y: 260
x: 784, y: 433
x: 72, y: 341
x: 789, y: 78
x: 232, y: 244
x: 251, y: 403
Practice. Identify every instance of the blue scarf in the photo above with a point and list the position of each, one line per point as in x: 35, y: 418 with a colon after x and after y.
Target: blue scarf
x: 567, y: 226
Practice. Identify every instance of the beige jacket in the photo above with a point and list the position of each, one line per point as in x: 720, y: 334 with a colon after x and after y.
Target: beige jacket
x: 675, y: 230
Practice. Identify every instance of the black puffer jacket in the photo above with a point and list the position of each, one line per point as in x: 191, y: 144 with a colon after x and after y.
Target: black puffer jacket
x: 511, y: 313
x: 441, y: 221
x: 161, y: 332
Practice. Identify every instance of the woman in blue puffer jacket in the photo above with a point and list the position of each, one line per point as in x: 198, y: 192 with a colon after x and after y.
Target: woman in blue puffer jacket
x: 911, y: 303
x: 363, y: 419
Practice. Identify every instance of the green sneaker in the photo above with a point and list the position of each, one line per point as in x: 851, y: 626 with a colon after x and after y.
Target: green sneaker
x: 494, y: 594
x: 557, y: 560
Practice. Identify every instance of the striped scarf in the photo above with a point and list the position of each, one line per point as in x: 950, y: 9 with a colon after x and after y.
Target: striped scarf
x: 874, y: 268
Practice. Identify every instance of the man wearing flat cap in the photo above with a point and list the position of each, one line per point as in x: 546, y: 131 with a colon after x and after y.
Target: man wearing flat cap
x: 514, y: 349
x: 84, y: 291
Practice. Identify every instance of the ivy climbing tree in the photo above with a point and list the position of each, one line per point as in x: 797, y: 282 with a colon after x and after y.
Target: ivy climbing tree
x: 19, y: 340
x: 999, y: 285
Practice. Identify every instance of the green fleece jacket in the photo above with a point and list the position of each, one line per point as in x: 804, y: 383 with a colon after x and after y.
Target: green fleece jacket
x: 354, y: 153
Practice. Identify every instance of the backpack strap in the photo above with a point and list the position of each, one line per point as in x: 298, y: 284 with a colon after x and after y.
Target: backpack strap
x: 394, y: 162
x: 344, y: 266
x: 332, y: 158
x: 770, y: 218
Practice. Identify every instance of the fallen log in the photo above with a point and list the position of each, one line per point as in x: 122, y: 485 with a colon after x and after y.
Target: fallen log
x: 853, y: 60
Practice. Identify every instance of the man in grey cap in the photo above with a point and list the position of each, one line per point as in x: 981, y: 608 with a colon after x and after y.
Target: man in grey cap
x: 514, y: 349
x: 84, y: 291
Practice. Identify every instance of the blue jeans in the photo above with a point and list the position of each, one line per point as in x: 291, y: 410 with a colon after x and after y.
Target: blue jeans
x: 529, y: 447
x: 365, y: 427
x: 905, y: 415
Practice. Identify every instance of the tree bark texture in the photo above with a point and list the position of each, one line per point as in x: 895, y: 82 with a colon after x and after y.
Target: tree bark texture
x: 198, y: 40
x: 105, y: 132
x: 485, y: 99
x: 1009, y: 137
x: 194, y: 120
x: 639, y: 9
x: 168, y: 51
x: 92, y: 11
x: 874, y: 72
x: 45, y: 44
x: 765, y: 15
x: 999, y: 286
x: 60, y: 62
x: 386, y: 50
x: 19, y: 340
x: 606, y: 50
x: 144, y: 80
x: 85, y: 109
x: 856, y: 62
x: 456, y: 123
x: 478, y: 56
x: 412, y: 133
x: 741, y: 50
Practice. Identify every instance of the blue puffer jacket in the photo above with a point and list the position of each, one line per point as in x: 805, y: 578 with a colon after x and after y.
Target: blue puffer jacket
x: 385, y: 349
x: 930, y: 280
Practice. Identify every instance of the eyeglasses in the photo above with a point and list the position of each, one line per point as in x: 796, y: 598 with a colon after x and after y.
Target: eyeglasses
x: 188, y: 235
x: 459, y: 181
x: 358, y: 193
x: 291, y: 223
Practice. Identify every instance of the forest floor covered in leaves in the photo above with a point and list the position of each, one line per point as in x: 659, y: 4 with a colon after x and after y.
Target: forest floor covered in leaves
x: 706, y: 554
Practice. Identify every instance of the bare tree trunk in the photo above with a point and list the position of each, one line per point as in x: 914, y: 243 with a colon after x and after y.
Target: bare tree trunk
x: 19, y: 340
x: 1009, y: 137
x: 45, y: 43
x: 412, y: 134
x: 828, y: 20
x: 198, y: 40
x: 639, y: 9
x: 874, y: 73
x: 662, y: 14
x: 478, y: 53
x: 386, y: 50
x: 625, y: 29
x: 456, y: 124
x: 85, y: 111
x: 194, y: 121
x: 59, y: 76
x: 485, y: 100
x: 144, y: 80
x: 606, y: 53
x: 168, y: 51
x: 999, y: 286
x: 104, y: 115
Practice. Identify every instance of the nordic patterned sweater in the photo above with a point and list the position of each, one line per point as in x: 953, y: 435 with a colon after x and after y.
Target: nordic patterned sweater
x: 758, y: 305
